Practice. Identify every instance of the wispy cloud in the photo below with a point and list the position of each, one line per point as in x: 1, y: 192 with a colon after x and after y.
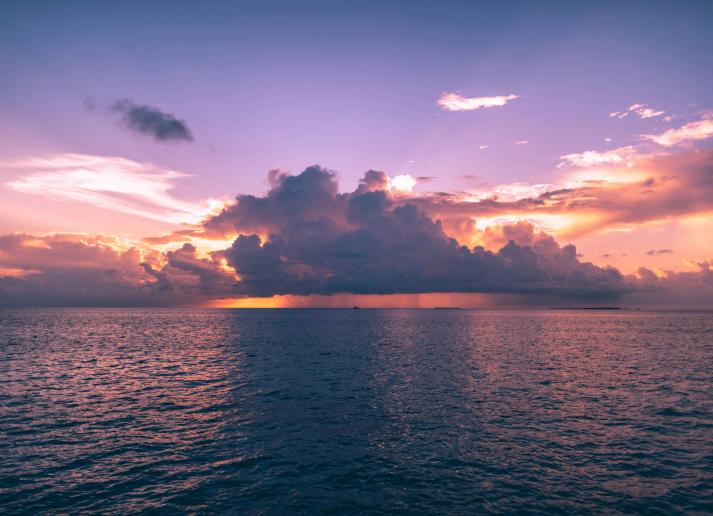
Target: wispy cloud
x: 113, y: 183
x: 655, y: 252
x: 692, y: 131
x: 456, y: 102
x: 594, y: 158
x: 640, y: 110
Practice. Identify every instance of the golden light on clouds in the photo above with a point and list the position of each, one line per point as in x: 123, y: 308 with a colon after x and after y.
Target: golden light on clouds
x: 403, y: 183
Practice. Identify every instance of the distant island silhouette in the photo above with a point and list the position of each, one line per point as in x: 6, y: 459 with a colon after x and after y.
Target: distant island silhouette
x: 585, y: 308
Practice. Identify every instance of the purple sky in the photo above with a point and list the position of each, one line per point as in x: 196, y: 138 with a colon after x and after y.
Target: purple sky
x: 351, y: 86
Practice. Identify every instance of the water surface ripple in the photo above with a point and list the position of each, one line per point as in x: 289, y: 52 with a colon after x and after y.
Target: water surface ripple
x: 363, y: 411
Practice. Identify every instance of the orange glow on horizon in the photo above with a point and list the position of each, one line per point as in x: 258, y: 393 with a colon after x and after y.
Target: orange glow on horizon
x: 426, y: 300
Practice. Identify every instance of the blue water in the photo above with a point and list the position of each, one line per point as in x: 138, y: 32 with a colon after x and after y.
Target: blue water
x: 363, y: 411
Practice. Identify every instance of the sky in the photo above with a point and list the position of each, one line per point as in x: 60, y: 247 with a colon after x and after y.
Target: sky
x: 372, y: 153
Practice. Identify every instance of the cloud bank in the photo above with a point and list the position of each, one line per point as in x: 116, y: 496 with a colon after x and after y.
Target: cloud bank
x: 305, y: 237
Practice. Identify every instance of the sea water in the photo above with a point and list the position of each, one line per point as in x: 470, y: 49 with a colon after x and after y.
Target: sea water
x: 361, y: 411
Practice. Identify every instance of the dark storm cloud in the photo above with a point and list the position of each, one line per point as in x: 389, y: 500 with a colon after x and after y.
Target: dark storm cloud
x: 149, y: 120
x: 304, y: 237
x: 68, y: 270
x: 691, y: 289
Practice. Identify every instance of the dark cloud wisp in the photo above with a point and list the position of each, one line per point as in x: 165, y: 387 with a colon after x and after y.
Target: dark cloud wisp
x: 151, y: 121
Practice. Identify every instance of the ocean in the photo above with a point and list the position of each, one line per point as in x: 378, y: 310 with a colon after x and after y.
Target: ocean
x: 312, y: 411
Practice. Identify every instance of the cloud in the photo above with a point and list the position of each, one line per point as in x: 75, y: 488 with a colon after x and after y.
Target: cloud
x: 69, y: 270
x: 305, y: 238
x: 593, y: 158
x: 403, y: 183
x: 653, y: 188
x: 649, y: 188
x: 184, y: 270
x: 521, y: 142
x: 456, y: 102
x: 693, y: 131
x: 655, y: 252
x: 669, y: 289
x: 640, y: 110
x: 148, y: 120
x: 108, y: 182
x: 99, y: 270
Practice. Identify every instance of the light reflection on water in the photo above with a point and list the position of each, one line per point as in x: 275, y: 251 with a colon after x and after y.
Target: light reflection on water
x: 369, y: 411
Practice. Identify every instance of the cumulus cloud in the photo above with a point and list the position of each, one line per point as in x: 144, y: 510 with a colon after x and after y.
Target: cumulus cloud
x: 693, y: 131
x: 108, y: 182
x: 456, y: 102
x: 304, y: 238
x: 192, y: 275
